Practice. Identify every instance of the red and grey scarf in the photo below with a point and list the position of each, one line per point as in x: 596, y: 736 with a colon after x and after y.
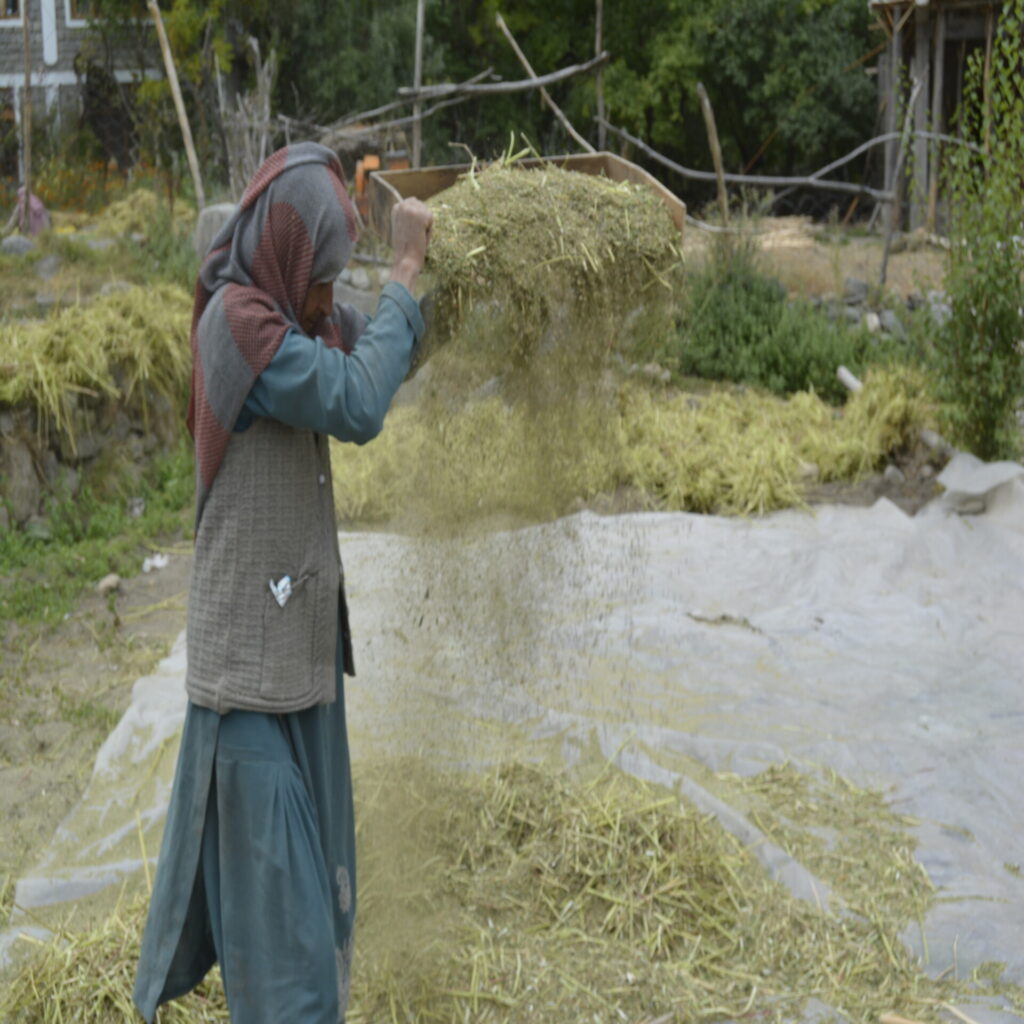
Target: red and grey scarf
x: 294, y: 227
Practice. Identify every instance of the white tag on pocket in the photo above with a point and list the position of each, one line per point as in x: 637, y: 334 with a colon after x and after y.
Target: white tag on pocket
x: 282, y: 590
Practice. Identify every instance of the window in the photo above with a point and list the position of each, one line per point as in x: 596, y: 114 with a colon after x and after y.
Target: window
x: 80, y: 10
x: 10, y: 9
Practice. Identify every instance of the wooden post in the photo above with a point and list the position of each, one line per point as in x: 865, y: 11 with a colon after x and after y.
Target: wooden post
x: 602, y: 133
x: 938, y: 93
x: 716, y: 151
x: 417, y: 82
x: 26, y: 122
x: 556, y: 110
x: 921, y: 72
x: 892, y: 119
x: 179, y: 103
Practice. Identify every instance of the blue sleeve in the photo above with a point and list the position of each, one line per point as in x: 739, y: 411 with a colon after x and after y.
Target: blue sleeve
x: 323, y: 389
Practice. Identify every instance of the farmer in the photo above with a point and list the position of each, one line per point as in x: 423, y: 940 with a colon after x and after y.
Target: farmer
x: 257, y: 866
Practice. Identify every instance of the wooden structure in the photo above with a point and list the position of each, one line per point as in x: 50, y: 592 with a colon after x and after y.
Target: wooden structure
x: 387, y: 187
x: 926, y: 57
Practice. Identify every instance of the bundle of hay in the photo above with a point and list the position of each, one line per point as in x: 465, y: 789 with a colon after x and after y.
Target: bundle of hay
x: 136, y: 213
x: 127, y: 347
x: 542, y: 246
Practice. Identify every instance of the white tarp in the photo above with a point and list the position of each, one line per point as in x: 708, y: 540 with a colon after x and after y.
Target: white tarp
x: 888, y: 647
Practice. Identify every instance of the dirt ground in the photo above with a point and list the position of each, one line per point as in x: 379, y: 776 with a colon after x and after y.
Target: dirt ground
x: 64, y: 689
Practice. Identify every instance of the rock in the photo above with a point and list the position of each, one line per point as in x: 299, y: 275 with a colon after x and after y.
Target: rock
x: 38, y: 528
x: 112, y: 287
x: 109, y: 584
x: 872, y: 322
x: 940, y: 309
x: 853, y: 314
x: 892, y: 324
x: 208, y: 224
x: 360, y: 278
x: 20, y: 485
x: 894, y: 475
x: 48, y: 266
x: 136, y: 506
x: 345, y: 277
x: 927, y: 471
x: 937, y: 444
x: 47, y: 300
x: 17, y: 245
x: 855, y: 291
x: 657, y: 373
x: 100, y: 244
x: 138, y: 237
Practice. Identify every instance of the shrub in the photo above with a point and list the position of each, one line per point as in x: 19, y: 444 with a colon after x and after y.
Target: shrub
x: 738, y: 325
x: 980, y: 350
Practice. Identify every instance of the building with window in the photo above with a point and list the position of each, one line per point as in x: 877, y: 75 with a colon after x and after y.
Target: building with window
x: 59, y: 67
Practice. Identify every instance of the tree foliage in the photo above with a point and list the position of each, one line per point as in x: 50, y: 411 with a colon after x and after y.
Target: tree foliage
x: 782, y: 74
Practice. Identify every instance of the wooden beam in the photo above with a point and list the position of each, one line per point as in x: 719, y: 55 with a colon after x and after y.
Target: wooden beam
x: 938, y: 94
x: 602, y: 135
x: 500, y: 88
x: 417, y: 82
x: 921, y: 73
x: 25, y: 206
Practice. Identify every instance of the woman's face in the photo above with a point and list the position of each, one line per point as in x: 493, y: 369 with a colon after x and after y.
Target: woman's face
x: 317, y: 307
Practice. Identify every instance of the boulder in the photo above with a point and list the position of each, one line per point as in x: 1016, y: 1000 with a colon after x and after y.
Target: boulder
x: 19, y: 482
x: 209, y: 222
x: 17, y: 245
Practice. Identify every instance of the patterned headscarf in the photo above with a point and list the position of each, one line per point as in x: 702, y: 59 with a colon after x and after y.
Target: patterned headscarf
x: 295, y: 226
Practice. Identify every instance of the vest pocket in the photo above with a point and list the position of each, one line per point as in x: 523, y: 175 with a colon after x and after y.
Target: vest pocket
x: 288, y: 666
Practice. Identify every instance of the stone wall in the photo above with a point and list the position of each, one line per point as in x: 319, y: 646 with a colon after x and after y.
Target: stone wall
x: 39, y: 464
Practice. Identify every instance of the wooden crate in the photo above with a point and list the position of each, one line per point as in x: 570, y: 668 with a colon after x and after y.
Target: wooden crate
x: 387, y: 187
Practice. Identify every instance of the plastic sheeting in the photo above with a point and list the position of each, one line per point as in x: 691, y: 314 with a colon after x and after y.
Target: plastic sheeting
x: 887, y: 647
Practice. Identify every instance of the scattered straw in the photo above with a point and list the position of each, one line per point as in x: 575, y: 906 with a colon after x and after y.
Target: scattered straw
x: 533, y: 455
x: 524, y: 896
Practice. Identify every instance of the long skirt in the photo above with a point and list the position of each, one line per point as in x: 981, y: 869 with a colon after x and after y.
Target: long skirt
x: 257, y: 867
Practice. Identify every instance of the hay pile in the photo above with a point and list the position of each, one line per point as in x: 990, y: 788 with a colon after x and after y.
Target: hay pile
x: 729, y: 452
x: 137, y: 212
x: 128, y: 347
x: 539, y: 246
x: 524, y: 896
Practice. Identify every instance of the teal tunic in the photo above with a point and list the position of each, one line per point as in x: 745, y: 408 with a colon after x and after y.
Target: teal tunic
x: 257, y: 867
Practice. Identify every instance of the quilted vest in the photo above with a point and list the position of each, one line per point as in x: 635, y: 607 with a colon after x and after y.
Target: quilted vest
x: 265, y: 594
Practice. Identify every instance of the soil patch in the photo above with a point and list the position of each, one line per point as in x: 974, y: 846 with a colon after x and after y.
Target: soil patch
x: 64, y: 689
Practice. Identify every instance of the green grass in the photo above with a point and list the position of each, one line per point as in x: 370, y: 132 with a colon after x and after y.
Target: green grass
x: 41, y: 578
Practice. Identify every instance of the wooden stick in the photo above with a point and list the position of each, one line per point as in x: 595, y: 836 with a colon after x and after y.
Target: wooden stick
x: 599, y: 74
x: 499, y: 88
x: 892, y: 1018
x: 937, y: 94
x: 716, y: 151
x: 417, y: 81
x: 179, y: 103
x: 894, y: 220
x: 768, y: 181
x: 556, y: 110
x: 26, y: 122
